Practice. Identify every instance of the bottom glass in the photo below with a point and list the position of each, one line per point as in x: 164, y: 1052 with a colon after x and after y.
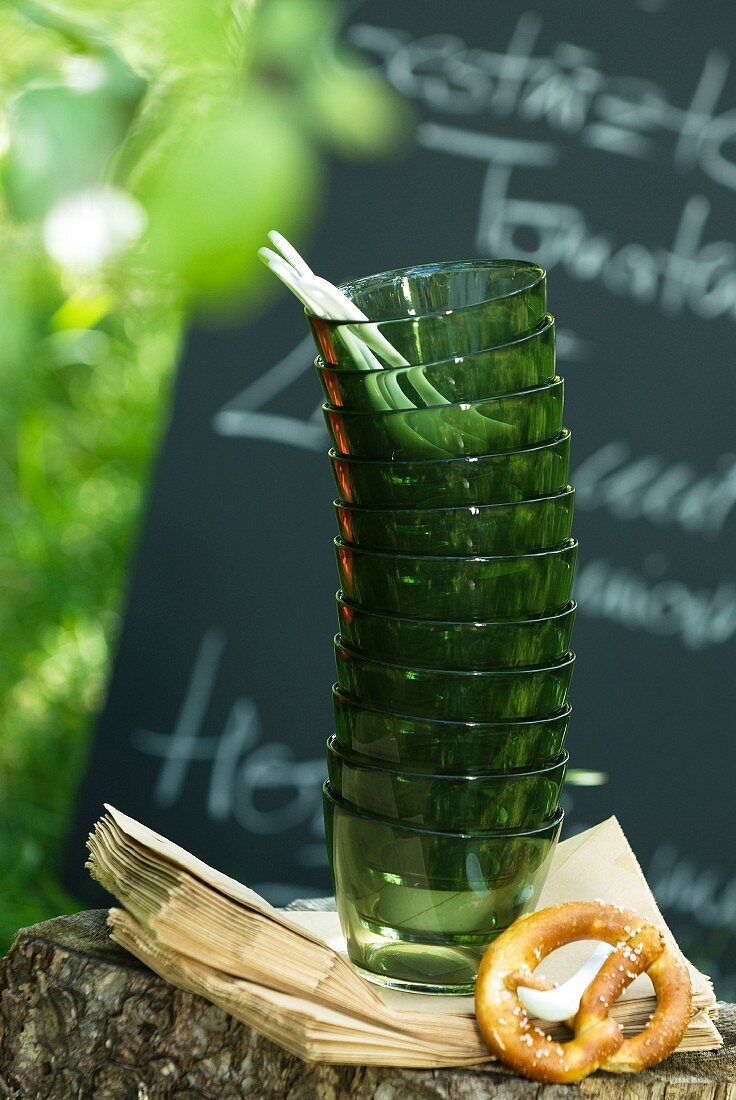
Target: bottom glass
x: 419, y: 908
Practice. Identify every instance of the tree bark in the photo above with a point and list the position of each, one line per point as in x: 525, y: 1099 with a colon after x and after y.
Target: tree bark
x: 80, y: 1018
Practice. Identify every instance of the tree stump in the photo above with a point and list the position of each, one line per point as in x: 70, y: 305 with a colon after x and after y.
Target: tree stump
x: 80, y: 1019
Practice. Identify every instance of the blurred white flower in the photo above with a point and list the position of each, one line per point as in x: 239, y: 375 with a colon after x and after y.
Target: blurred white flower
x: 85, y: 230
x: 84, y: 74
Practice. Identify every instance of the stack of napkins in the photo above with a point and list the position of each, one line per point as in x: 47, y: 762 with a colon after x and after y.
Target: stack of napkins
x: 287, y: 975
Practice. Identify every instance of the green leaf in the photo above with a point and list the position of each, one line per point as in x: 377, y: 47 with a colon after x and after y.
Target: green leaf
x: 62, y: 139
x: 219, y: 189
x: 356, y: 111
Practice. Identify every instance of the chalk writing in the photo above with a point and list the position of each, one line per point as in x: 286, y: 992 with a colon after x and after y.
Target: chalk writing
x: 692, y: 274
x: 565, y: 88
x: 667, y: 608
x: 244, y: 415
x: 242, y: 773
x: 649, y: 487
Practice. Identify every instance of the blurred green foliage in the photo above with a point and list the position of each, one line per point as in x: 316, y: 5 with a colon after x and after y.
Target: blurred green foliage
x: 146, y: 146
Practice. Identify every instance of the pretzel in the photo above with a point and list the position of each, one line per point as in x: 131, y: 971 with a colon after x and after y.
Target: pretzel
x: 597, y: 1042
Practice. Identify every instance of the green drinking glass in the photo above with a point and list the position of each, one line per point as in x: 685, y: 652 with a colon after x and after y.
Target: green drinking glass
x: 523, y: 474
x: 428, y: 744
x: 429, y: 643
x: 476, y: 803
x: 446, y: 431
x: 458, y: 588
x: 498, y: 695
x: 435, y: 311
x: 483, y: 529
x: 419, y: 908
x: 526, y: 362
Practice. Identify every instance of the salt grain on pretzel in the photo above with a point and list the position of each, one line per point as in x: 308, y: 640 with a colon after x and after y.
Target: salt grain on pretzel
x: 598, y: 1042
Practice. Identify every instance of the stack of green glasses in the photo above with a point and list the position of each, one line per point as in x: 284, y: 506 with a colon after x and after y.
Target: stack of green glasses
x: 456, y: 563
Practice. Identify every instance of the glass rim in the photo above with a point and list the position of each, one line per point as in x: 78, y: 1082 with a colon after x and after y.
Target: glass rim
x: 549, y: 825
x: 480, y: 262
x: 556, y: 383
x: 563, y: 713
x: 535, y: 333
x: 560, y: 761
x: 568, y: 658
x: 474, y: 509
x: 566, y: 547
x: 562, y: 437
x: 570, y: 607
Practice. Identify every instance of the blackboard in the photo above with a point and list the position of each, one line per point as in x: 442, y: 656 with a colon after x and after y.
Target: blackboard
x: 601, y: 141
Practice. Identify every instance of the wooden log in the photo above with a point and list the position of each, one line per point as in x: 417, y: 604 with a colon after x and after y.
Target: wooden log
x: 80, y: 1019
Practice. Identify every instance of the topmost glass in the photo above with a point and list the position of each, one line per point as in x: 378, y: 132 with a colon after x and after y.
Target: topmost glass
x: 436, y: 311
